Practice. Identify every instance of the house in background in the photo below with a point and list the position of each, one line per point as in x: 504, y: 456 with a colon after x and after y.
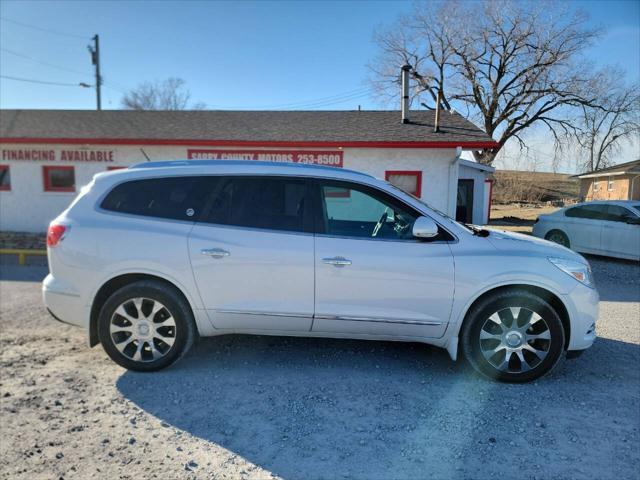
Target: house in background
x: 620, y: 182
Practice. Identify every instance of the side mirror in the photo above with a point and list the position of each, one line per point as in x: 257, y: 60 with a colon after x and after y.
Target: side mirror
x: 425, y: 227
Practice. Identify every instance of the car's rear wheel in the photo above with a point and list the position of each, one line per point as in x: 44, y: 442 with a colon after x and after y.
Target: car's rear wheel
x: 559, y: 237
x: 513, y: 336
x: 146, y: 326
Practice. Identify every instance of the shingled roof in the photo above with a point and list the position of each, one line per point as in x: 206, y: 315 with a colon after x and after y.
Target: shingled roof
x: 339, y: 128
x: 619, y: 169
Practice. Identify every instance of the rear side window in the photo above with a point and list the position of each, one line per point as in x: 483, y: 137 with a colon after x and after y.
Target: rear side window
x: 179, y: 198
x: 616, y: 213
x: 271, y: 203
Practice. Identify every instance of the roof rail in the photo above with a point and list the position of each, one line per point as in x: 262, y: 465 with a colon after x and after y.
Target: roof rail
x: 213, y: 163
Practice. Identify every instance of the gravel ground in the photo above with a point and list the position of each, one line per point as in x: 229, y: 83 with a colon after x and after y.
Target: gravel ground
x: 263, y: 407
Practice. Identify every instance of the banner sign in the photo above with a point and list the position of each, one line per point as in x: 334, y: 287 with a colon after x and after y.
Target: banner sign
x: 46, y: 155
x: 328, y: 158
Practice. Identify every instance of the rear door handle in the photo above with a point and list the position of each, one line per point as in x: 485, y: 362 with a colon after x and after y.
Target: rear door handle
x: 337, y: 261
x: 215, y: 252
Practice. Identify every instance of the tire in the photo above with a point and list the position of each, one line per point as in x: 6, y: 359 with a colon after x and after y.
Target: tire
x: 559, y: 237
x: 538, y: 337
x: 152, y: 340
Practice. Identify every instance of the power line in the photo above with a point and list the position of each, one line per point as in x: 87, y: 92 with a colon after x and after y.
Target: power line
x: 54, y: 32
x: 30, y: 80
x: 318, y: 102
x: 331, y: 102
x: 322, y: 99
x: 112, y: 85
x: 52, y: 65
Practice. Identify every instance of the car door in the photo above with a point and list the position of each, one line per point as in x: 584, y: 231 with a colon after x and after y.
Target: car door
x: 620, y: 235
x: 372, y: 276
x: 583, y: 226
x: 252, y: 254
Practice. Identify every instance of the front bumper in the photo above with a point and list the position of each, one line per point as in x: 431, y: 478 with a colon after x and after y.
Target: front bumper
x: 582, y: 305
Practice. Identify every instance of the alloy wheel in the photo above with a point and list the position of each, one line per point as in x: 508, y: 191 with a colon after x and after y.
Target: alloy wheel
x: 515, y: 340
x: 142, y: 329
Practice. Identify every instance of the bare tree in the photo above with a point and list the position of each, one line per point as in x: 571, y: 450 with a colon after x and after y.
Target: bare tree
x: 169, y: 94
x: 512, y: 65
x: 604, y: 130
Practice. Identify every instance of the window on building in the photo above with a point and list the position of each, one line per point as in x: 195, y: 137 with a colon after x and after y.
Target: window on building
x: 596, y: 185
x: 337, y: 192
x: 59, y: 179
x: 5, y: 178
x: 409, y: 181
x: 610, y: 184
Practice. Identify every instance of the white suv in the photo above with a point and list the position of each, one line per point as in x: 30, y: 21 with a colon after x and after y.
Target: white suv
x: 150, y: 257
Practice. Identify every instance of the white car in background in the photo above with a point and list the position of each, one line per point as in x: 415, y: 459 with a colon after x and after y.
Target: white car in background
x: 150, y: 257
x: 610, y: 228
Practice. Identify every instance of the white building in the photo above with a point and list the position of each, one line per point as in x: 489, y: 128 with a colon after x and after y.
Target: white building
x: 47, y: 155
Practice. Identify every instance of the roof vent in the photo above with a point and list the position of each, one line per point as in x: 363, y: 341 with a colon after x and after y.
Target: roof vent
x: 404, y: 76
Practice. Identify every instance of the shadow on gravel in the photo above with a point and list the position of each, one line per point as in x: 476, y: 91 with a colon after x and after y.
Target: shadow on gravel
x: 617, y: 280
x: 317, y: 408
x: 19, y: 273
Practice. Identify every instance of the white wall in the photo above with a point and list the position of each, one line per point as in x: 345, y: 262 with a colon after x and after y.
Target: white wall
x: 28, y: 208
x: 434, y: 164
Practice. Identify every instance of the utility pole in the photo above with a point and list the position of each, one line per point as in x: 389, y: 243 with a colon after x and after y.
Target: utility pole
x: 95, y: 60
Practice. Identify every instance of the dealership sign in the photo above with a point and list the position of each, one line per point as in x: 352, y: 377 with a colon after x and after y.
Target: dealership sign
x: 329, y: 158
x: 47, y: 155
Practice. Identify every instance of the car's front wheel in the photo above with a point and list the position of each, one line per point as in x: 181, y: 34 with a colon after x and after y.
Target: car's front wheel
x: 146, y: 326
x: 513, y: 336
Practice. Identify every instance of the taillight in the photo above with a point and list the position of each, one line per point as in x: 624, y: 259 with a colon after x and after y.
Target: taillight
x: 55, y: 234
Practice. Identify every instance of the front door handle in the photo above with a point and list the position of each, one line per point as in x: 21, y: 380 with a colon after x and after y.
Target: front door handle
x: 215, y: 252
x: 337, y: 261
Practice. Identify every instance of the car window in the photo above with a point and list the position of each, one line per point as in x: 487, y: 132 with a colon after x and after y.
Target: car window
x: 353, y: 210
x: 637, y: 208
x: 179, y: 198
x: 616, y: 213
x: 273, y: 203
x: 593, y: 212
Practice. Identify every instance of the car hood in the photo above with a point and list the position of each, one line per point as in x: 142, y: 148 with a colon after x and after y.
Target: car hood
x: 512, y: 241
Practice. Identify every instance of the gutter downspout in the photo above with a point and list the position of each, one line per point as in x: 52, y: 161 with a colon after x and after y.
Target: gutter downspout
x: 631, y: 186
x: 453, y: 183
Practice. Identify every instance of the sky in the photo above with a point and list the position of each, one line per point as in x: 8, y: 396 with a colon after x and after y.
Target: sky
x: 233, y: 55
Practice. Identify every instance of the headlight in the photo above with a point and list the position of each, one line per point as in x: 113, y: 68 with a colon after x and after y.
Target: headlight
x: 577, y: 270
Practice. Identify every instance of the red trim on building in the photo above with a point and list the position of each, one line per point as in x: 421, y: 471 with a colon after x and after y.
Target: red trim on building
x: 415, y: 173
x: 47, y: 183
x: 490, y: 181
x: 247, y: 143
x: 6, y: 188
x: 120, y: 167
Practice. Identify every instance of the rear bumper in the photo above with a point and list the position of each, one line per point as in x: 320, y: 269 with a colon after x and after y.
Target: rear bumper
x: 64, y: 303
x: 582, y: 306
